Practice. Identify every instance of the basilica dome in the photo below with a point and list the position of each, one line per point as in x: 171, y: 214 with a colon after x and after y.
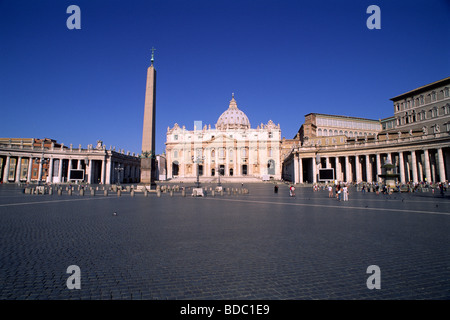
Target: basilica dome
x: 233, y: 118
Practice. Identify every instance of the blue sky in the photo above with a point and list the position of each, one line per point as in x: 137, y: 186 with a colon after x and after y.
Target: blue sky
x: 282, y: 59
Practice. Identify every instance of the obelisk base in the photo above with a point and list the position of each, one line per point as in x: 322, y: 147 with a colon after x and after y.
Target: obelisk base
x: 148, y: 172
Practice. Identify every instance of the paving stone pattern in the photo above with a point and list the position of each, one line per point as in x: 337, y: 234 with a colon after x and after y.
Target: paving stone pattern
x: 259, y: 245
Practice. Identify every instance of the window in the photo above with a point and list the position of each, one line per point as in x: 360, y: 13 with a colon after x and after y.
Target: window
x: 446, y: 92
x: 447, y: 126
x: 433, y: 96
x: 434, y: 113
x: 213, y: 154
x: 175, y: 153
x: 421, y: 99
x: 175, y: 137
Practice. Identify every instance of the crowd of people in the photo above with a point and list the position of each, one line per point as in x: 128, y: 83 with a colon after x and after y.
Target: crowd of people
x: 341, y: 191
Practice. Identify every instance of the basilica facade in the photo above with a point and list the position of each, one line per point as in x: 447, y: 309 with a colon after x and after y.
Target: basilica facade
x: 231, y: 149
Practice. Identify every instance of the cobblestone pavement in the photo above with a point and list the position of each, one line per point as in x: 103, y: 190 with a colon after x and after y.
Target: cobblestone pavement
x: 259, y: 245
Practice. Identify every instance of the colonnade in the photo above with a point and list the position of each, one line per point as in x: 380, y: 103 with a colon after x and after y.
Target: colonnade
x: 417, y: 165
x: 21, y: 167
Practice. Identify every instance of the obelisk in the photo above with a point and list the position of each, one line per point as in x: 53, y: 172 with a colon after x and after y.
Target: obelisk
x: 148, y: 169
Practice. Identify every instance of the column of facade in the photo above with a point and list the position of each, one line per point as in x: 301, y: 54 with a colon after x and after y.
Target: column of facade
x: 103, y: 172
x: 40, y: 169
x: 296, y: 171
x: 60, y: 165
x: 90, y: 180
x: 108, y: 171
x: 347, y: 170
x: 300, y: 170
x: 402, y: 167
x: 6, y: 169
x: 338, y: 169
x: 378, y: 157
x: 427, y: 165
x: 327, y: 162
x: 368, y: 169
x: 69, y: 168
x: 358, y: 169
x: 314, y: 169
x: 30, y: 166
x: 50, y: 170
x: 442, y: 175
x: 414, y: 166
x: 18, y: 168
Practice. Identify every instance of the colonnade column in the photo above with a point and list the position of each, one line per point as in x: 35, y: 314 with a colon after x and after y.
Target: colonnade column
x: 358, y: 169
x: 378, y: 167
x: 18, y: 167
x: 6, y: 170
x: 368, y: 169
x: 300, y: 170
x: 40, y: 169
x: 347, y: 170
x: 442, y: 175
x: 414, y: 166
x: 30, y: 166
x: 50, y: 170
x: 296, y: 171
x: 108, y: 171
x: 427, y: 165
x: 338, y: 169
x: 60, y: 163
x: 402, y: 167
x: 314, y: 169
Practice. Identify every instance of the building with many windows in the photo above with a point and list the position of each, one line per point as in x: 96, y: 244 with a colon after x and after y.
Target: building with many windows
x: 231, y: 149
x: 416, y: 140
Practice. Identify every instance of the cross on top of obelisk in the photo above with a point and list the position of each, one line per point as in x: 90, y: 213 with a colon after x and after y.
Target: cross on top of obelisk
x: 153, y: 55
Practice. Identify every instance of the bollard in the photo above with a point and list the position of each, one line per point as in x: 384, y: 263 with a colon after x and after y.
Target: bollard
x: 81, y: 192
x: 145, y: 192
x: 69, y: 192
x: 158, y: 193
x: 132, y: 193
x: 59, y: 191
x: 171, y: 192
x: 221, y: 192
x: 118, y: 192
x: 92, y: 192
x: 105, y: 192
x: 50, y: 191
x: 212, y: 192
x: 183, y: 193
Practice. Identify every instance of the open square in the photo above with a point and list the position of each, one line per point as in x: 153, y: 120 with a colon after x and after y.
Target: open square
x: 260, y: 245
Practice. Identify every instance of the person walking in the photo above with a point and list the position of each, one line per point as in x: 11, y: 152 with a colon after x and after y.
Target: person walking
x: 292, y: 191
x: 330, y: 191
x: 345, y: 192
x: 339, y: 192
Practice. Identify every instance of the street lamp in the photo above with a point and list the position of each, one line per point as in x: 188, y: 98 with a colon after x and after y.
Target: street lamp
x: 118, y: 169
x: 198, y: 160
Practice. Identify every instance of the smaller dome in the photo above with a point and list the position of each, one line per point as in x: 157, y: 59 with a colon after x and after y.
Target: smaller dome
x: 233, y: 118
